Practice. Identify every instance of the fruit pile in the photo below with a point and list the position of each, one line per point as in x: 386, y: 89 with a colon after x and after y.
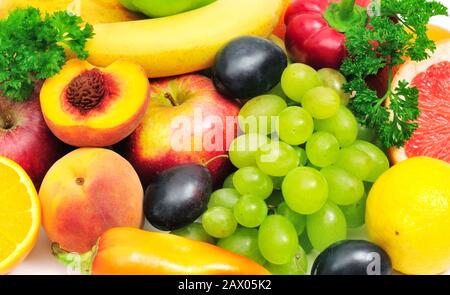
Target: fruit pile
x: 306, y: 182
x: 248, y: 150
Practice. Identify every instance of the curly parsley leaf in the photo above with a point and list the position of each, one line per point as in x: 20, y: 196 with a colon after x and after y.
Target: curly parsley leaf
x: 31, y: 48
x: 414, y: 15
x: 399, y: 32
x: 403, y: 111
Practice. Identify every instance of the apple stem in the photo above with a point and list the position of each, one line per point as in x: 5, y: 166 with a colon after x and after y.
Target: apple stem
x: 239, y: 101
x: 170, y: 98
x: 215, y: 158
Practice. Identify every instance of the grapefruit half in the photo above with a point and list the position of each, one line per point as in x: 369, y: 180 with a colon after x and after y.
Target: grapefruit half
x: 432, y: 78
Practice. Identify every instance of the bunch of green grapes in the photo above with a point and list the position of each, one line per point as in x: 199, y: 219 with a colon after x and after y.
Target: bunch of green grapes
x: 302, y: 175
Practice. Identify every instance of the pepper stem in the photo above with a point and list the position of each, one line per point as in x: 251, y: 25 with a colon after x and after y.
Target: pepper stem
x: 77, y: 262
x: 344, y: 15
x: 347, y: 9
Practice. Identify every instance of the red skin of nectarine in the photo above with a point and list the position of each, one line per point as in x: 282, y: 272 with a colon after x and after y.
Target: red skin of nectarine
x: 149, y: 149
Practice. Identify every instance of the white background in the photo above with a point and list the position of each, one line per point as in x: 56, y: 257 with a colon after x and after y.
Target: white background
x: 40, y: 261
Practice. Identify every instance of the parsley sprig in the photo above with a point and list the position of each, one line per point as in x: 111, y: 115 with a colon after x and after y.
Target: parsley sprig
x: 32, y: 48
x: 397, y: 33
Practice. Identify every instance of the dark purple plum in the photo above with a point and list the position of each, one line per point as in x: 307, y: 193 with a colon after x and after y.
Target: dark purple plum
x: 178, y: 196
x: 247, y: 67
x: 352, y: 257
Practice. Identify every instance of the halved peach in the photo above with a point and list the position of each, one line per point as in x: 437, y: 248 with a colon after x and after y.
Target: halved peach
x: 87, y: 106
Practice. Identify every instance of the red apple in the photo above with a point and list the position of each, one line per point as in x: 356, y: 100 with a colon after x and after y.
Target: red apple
x: 26, y: 139
x: 187, y: 121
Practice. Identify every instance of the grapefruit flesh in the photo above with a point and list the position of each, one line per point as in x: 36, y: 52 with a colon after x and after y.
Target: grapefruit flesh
x: 432, y: 79
x: 432, y: 138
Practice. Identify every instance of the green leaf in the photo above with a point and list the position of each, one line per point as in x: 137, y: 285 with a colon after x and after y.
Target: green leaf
x: 389, y: 39
x: 31, y: 48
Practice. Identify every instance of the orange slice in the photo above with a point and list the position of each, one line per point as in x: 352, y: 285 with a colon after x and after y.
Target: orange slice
x: 20, y: 215
x: 437, y: 33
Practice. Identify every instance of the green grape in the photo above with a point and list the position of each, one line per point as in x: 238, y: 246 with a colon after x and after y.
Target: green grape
x: 343, y: 187
x: 355, y: 161
x: 322, y: 149
x: 334, y: 79
x: 355, y: 214
x: 224, y: 197
x: 250, y: 211
x: 321, y: 102
x: 297, y: 79
x: 291, y: 103
x: 343, y: 126
x: 311, y: 165
x: 295, y: 125
x: 298, y: 220
x: 277, y: 181
x: 243, y: 149
x: 275, y: 199
x: 251, y: 180
x: 326, y: 226
x: 305, y: 190
x: 244, y: 241
x: 195, y: 231
x: 277, y: 239
x: 302, y: 155
x: 276, y: 158
x: 297, y: 266
x: 228, y: 182
x: 257, y: 115
x: 305, y: 243
x: 219, y: 222
x: 380, y: 162
x: 278, y: 91
x: 366, y: 133
x: 380, y: 145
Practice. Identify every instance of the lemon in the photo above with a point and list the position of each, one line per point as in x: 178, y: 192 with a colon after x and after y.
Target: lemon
x: 408, y: 215
x: 20, y: 215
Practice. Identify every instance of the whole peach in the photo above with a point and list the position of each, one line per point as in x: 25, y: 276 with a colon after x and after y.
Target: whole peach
x: 87, y: 192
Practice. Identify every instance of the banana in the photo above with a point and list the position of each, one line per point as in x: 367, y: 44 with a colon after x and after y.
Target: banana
x: 92, y: 11
x: 185, y: 42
